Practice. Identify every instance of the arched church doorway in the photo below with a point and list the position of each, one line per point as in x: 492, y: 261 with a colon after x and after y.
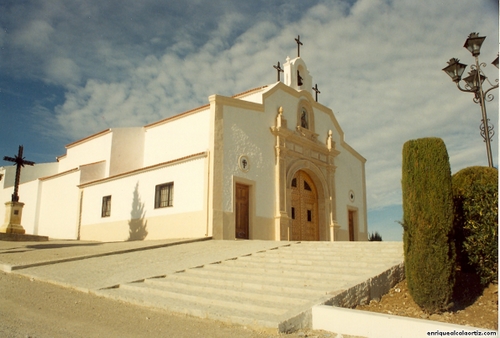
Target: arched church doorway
x: 304, y: 212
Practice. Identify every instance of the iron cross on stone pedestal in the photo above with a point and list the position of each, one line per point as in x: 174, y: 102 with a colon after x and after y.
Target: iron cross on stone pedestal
x: 19, y: 162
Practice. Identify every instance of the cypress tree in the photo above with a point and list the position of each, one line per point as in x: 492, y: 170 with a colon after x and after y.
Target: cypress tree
x: 428, y: 223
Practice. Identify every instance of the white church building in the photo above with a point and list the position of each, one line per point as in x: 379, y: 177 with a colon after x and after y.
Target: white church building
x: 270, y: 164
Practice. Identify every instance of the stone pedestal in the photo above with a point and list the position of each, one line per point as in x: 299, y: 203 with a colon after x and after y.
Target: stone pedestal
x: 13, y: 214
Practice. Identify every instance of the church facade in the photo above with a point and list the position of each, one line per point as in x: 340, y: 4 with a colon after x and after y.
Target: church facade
x: 270, y: 163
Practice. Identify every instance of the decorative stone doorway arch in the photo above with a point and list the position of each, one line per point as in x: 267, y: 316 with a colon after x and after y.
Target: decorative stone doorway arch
x: 319, y: 229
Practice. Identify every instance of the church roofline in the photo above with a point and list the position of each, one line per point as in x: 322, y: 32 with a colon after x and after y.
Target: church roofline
x: 248, y: 92
x: 170, y: 118
x: 59, y: 174
x: 235, y: 102
x: 70, y: 145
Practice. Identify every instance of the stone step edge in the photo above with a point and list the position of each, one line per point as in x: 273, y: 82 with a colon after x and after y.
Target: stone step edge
x: 199, y: 300
x: 304, y: 261
x: 272, y: 278
x: 220, y: 314
x: 248, y: 284
x: 250, y: 294
x: 308, y: 267
x: 362, y: 292
x: 284, y: 272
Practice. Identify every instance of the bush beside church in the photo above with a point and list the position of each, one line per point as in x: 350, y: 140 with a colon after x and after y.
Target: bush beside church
x: 449, y: 223
x: 428, y: 223
x: 475, y: 196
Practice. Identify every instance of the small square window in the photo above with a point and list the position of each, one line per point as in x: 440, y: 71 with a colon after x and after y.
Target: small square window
x: 106, y: 206
x: 164, y: 195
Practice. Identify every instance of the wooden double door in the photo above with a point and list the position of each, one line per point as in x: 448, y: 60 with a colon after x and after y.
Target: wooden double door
x: 304, y: 212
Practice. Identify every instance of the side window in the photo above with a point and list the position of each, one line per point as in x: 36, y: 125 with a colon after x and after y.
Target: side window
x: 164, y: 195
x: 106, y: 206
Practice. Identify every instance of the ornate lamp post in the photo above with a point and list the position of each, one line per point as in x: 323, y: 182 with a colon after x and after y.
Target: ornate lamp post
x: 474, y: 84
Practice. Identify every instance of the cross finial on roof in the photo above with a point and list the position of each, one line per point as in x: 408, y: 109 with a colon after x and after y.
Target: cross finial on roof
x: 299, y: 43
x: 315, y: 88
x: 278, y: 68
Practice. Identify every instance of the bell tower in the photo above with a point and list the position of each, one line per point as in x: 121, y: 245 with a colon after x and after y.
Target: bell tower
x: 296, y: 74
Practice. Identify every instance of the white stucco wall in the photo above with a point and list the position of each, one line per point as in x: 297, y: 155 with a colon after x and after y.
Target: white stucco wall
x: 136, y: 192
x: 349, y: 177
x: 177, y: 138
x: 28, y: 193
x: 127, y: 150
x: 246, y: 132
x: 87, y: 151
x: 28, y: 173
x: 59, y: 206
x: 92, y: 171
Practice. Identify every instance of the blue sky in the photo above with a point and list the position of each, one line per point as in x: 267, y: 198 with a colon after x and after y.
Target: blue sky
x: 72, y: 68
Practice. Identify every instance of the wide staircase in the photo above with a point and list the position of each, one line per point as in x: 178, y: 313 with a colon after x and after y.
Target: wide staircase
x: 273, y: 288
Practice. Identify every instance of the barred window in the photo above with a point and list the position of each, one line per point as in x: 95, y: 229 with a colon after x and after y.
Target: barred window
x: 106, y: 206
x: 164, y: 195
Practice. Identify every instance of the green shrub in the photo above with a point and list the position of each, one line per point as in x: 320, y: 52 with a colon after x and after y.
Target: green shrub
x: 428, y: 223
x: 375, y: 237
x: 475, y: 196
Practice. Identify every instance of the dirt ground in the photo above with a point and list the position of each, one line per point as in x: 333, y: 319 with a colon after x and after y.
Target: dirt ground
x: 33, y: 309
x: 473, y: 305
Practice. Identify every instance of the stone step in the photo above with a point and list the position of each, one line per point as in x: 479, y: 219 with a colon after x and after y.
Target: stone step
x: 205, y: 299
x: 342, y: 273
x: 340, y: 248
x: 356, y: 245
x: 315, y: 257
x: 194, y: 308
x: 329, y: 253
x: 268, y: 288
x: 251, y: 284
x: 309, y: 262
x: 306, y: 281
x: 241, y: 292
x: 307, y: 265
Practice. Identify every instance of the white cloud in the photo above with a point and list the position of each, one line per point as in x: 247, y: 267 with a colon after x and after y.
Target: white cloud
x: 35, y: 37
x: 63, y: 71
x: 377, y: 63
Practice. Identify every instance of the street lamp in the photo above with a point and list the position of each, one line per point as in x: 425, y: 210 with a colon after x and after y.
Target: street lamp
x: 474, y: 84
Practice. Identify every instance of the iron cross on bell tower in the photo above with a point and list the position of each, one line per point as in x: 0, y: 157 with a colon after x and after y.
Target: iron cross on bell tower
x: 299, y: 43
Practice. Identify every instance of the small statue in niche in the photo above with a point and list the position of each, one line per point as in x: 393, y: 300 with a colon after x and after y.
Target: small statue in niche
x: 303, y: 119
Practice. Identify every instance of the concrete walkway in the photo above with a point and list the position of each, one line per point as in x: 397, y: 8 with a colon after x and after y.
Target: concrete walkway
x: 90, y: 266
x: 265, y: 283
